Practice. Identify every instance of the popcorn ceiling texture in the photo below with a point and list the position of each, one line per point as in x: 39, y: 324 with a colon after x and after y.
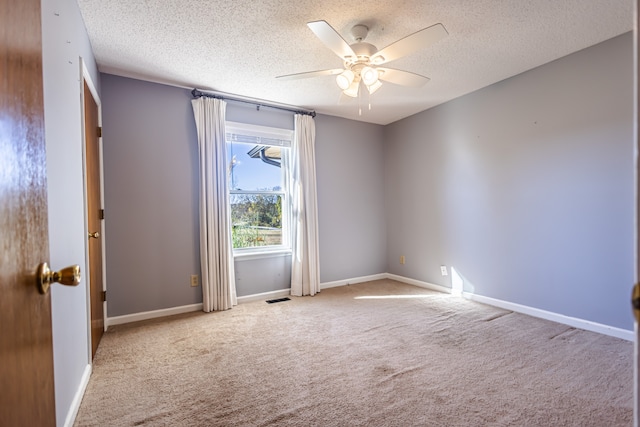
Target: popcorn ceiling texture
x: 240, y: 47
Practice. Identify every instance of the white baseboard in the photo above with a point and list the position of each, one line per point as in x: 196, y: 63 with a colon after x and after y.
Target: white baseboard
x: 145, y: 315
x: 554, y: 317
x: 77, y: 399
x: 353, y: 281
x: 136, y: 317
x: 264, y: 296
x: 531, y: 311
x: 587, y: 325
x: 418, y: 283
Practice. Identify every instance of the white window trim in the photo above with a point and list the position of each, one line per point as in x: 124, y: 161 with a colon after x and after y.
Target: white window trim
x: 248, y: 254
x: 275, y: 137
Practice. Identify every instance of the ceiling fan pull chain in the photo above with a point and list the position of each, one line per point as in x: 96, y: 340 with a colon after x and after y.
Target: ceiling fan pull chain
x: 360, y: 98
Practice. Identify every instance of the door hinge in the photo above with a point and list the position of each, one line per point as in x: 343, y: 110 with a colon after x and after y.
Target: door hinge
x: 101, y: 213
x: 104, y: 296
x: 635, y: 301
x: 99, y: 131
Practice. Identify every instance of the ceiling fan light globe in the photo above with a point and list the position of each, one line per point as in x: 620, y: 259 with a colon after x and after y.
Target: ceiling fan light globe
x: 345, y: 79
x: 369, y: 75
x: 374, y: 87
x: 352, y: 90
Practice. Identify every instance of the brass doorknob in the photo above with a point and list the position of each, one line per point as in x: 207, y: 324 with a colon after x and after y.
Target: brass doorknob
x: 95, y: 234
x: 69, y: 276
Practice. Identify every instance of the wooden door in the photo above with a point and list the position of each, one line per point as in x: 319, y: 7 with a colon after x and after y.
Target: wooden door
x: 94, y: 220
x: 636, y: 289
x: 26, y: 349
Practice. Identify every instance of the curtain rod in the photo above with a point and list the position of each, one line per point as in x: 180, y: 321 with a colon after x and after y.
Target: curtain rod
x: 198, y: 93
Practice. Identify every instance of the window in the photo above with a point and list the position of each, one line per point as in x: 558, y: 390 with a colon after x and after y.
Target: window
x: 258, y: 159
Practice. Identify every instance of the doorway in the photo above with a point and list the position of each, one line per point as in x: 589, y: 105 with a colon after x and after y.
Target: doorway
x: 94, y: 212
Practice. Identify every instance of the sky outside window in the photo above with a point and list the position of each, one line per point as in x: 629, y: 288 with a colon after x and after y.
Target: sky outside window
x: 248, y: 173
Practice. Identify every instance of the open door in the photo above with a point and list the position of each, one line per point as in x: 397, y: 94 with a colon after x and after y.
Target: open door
x: 26, y: 347
x: 635, y: 299
x: 92, y: 132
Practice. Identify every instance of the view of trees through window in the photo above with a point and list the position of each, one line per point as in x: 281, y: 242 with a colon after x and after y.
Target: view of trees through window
x: 256, y: 219
x: 256, y: 194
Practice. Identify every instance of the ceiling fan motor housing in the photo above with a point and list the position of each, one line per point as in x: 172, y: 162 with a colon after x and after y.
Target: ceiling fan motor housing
x: 359, y: 32
x: 363, y: 52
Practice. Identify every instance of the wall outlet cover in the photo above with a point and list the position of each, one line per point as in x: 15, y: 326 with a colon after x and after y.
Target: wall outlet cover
x: 443, y: 270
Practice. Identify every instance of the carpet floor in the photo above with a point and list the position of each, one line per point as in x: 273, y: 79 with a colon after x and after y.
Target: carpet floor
x: 380, y: 353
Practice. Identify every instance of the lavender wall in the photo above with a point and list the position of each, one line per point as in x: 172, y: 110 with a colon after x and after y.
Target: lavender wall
x: 150, y: 192
x: 353, y: 237
x: 151, y: 183
x: 525, y: 187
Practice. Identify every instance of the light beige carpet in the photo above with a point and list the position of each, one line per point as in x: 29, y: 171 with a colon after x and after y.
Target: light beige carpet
x: 373, y: 354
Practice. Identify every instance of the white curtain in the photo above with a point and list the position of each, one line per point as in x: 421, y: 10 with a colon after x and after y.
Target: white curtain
x: 216, y: 250
x: 305, y: 266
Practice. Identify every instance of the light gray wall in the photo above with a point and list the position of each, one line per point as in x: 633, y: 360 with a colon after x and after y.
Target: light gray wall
x: 525, y: 187
x: 151, y: 184
x: 64, y: 42
x: 151, y: 198
x: 256, y: 276
x: 350, y: 164
x: 150, y: 191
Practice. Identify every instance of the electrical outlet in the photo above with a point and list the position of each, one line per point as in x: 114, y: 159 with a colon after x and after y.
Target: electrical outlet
x: 443, y: 270
x: 401, y: 259
x: 194, y: 280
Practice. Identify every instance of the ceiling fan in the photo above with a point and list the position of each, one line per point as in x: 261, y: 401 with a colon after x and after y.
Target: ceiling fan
x: 362, y: 61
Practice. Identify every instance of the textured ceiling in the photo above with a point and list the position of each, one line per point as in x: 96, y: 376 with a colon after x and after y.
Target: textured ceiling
x: 239, y: 47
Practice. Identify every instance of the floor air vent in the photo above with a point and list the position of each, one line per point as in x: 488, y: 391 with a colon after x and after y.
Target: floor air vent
x: 271, y: 301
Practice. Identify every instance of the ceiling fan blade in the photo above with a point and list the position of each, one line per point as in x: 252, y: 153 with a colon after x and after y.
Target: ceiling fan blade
x: 403, y: 78
x: 331, y: 39
x: 418, y: 40
x: 308, y: 74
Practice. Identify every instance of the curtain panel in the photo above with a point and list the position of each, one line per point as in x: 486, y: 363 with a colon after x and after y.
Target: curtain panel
x: 305, y: 264
x: 216, y: 248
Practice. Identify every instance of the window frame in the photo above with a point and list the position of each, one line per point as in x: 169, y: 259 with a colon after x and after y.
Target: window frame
x: 236, y: 132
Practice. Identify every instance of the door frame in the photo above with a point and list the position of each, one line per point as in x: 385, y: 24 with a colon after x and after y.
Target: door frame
x: 85, y: 76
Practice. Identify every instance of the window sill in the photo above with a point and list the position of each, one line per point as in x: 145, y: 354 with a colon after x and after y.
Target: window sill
x: 260, y: 254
